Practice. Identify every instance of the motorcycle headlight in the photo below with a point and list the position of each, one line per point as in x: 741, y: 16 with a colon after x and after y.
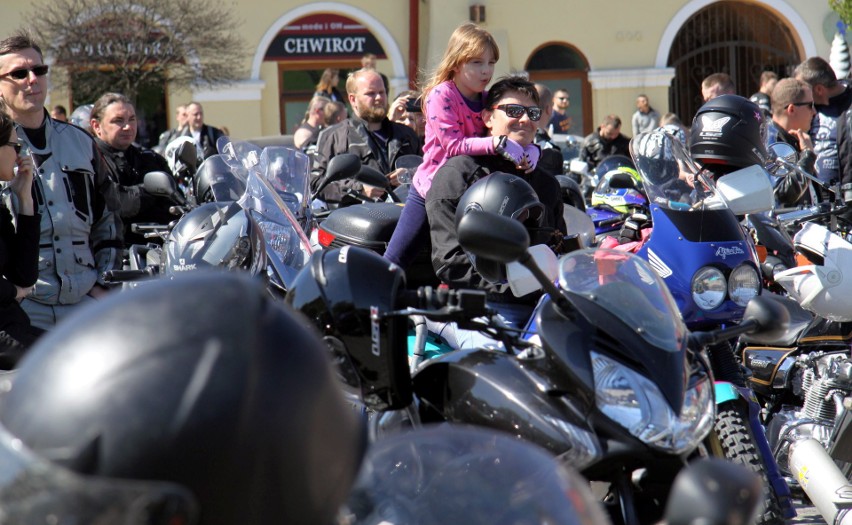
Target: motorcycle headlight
x: 635, y: 403
x: 709, y: 288
x: 743, y: 284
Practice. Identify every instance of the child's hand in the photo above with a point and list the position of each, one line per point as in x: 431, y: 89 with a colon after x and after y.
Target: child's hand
x: 510, y: 150
x: 531, y: 155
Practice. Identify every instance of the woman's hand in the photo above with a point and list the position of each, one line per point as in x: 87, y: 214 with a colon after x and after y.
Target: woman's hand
x: 397, y: 108
x: 23, y: 293
x: 22, y: 184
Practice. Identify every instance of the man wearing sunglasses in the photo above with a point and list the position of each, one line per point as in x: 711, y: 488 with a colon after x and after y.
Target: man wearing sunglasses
x: 512, y: 109
x: 792, y: 105
x: 604, y: 142
x: 78, y: 202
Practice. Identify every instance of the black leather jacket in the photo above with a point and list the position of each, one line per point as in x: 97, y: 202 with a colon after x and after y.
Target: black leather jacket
x: 596, y: 148
x: 352, y: 136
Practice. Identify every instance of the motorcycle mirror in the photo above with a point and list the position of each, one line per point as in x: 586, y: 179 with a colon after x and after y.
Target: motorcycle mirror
x: 493, y: 236
x: 408, y: 161
x: 770, y: 314
x: 341, y: 166
x: 162, y: 184
x: 371, y: 176
x: 188, y: 155
x: 783, y: 152
x: 713, y: 491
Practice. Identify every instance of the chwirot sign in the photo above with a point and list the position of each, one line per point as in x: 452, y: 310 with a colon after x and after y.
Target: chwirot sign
x: 323, y: 36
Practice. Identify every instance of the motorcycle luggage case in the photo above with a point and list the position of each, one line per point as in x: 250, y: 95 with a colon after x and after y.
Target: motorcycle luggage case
x: 369, y: 225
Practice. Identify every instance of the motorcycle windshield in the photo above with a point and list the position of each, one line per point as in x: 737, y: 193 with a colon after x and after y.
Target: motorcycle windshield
x: 34, y: 490
x: 288, y: 171
x: 468, y: 474
x: 287, y: 245
x: 224, y: 183
x: 670, y: 178
x: 626, y: 286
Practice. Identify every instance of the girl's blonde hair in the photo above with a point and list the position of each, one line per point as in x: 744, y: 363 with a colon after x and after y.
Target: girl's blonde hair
x: 326, y: 81
x: 467, y: 42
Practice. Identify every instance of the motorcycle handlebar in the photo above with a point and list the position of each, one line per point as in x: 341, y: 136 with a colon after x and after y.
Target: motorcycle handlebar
x: 120, y: 276
x: 443, y: 303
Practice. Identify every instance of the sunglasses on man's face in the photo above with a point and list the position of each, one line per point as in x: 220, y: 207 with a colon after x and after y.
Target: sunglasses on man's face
x: 517, y: 111
x: 20, y: 74
x: 16, y: 145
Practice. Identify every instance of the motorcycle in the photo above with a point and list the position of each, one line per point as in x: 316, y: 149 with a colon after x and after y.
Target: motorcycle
x: 697, y: 245
x: 628, y: 406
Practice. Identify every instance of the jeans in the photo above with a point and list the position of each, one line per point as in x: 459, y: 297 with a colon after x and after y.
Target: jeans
x: 411, y: 232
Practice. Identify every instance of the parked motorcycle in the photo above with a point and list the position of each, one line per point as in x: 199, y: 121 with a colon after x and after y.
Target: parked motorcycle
x: 628, y: 405
x: 711, y: 267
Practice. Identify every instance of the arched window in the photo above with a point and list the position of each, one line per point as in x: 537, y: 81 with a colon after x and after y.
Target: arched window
x: 737, y: 38
x: 562, y: 66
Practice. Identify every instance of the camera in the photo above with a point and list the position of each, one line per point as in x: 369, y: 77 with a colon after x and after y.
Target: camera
x: 413, y: 105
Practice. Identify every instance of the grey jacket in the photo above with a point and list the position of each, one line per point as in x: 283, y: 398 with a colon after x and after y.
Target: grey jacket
x: 81, y: 232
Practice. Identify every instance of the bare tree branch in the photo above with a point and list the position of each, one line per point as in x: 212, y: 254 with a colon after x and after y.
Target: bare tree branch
x: 127, y: 45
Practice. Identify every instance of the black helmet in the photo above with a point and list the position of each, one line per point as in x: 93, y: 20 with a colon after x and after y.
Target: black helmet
x: 503, y: 194
x: 218, y: 235
x: 202, y: 381
x: 215, y: 181
x: 729, y: 130
x: 342, y: 292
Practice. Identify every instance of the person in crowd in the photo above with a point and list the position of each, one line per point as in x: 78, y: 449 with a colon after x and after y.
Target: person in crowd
x: 368, y: 61
x: 454, y: 98
x: 551, y: 154
x: 717, y: 84
x: 768, y: 79
x: 604, y: 142
x: 205, y: 136
x: 179, y: 129
x: 59, y: 113
x: 560, y: 121
x: 671, y: 124
x: 335, y: 112
x: 407, y: 109
x: 113, y: 121
x: 792, y: 113
x: 452, y: 264
x: 18, y: 247
x: 831, y: 98
x: 377, y: 141
x: 308, y: 131
x: 80, y: 233
x: 645, y: 118
x: 327, y: 85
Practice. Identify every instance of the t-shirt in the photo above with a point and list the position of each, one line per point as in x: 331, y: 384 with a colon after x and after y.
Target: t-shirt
x: 560, y: 123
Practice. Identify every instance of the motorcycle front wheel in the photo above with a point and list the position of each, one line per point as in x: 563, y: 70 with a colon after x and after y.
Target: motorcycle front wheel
x: 737, y: 444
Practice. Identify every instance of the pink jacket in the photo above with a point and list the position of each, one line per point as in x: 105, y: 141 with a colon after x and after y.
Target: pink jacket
x: 452, y: 129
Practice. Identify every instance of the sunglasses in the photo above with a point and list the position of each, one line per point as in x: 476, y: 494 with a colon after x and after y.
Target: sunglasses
x: 802, y: 104
x: 16, y: 145
x: 20, y: 74
x: 517, y: 111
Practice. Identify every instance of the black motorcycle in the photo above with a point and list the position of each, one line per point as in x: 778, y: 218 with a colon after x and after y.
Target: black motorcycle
x: 613, y: 384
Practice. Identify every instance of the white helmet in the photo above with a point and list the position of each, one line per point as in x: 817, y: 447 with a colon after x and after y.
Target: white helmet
x: 821, y: 287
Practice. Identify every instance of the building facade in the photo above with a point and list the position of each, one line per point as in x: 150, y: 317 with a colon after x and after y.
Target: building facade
x: 605, y: 54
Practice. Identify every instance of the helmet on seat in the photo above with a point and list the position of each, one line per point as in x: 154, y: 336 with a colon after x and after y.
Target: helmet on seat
x: 729, y: 130
x: 503, y: 194
x: 621, y: 190
x: 821, y: 287
x: 215, y: 235
x: 203, y: 382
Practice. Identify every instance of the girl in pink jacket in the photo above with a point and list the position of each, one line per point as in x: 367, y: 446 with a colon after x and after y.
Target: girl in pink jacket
x: 452, y: 101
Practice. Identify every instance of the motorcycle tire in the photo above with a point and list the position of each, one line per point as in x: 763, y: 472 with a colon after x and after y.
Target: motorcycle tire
x: 737, y: 444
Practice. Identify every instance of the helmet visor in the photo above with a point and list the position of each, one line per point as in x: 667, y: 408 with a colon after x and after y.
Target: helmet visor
x: 34, y: 490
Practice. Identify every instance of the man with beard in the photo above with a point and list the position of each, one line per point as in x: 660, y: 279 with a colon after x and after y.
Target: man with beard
x: 377, y: 141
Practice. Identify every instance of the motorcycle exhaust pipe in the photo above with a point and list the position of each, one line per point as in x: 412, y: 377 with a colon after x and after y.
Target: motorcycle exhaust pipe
x: 822, y: 481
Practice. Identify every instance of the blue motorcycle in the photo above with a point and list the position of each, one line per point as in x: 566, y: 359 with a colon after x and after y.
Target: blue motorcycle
x: 711, y: 267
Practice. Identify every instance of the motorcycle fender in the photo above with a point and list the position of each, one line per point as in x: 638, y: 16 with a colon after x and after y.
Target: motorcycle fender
x: 493, y: 389
x: 725, y: 392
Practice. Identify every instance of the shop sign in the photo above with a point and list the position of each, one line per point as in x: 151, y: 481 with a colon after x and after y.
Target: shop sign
x: 323, y: 36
